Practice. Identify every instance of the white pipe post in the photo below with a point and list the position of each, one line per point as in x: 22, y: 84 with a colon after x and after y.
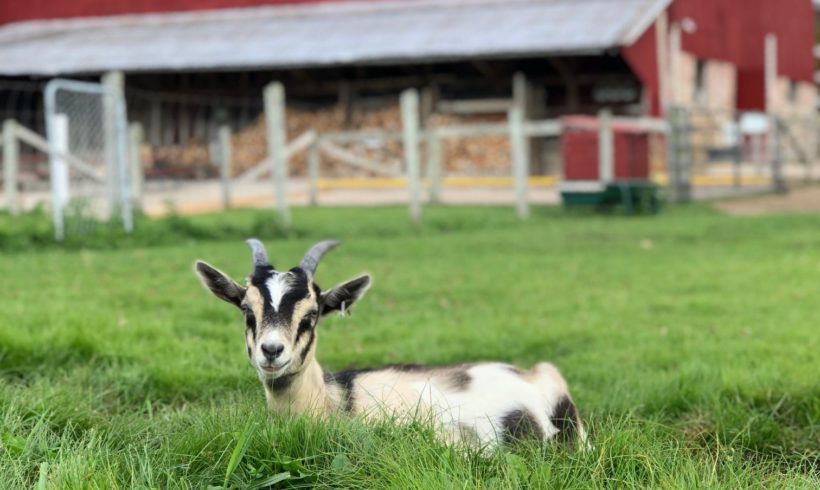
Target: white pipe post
x: 434, y: 164
x: 313, y: 171
x: 11, y: 164
x: 59, y: 174
x: 410, y: 127
x: 136, y: 136
x: 274, y: 95
x: 605, y: 146
x: 518, y: 147
x: 225, y: 156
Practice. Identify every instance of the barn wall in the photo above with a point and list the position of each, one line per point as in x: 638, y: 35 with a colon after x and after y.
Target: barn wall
x: 732, y: 32
x: 642, y: 58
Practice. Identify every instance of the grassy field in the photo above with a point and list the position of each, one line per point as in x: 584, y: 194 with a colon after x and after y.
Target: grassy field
x: 691, y: 342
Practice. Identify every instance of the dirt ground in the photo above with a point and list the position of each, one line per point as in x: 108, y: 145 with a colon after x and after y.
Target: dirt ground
x: 797, y: 200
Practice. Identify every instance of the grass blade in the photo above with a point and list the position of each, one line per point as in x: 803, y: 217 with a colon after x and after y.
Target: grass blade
x: 239, y: 450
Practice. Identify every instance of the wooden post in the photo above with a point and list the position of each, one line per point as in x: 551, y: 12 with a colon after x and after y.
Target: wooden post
x: 225, y: 156
x: 518, y: 145
x: 770, y: 77
x: 521, y: 100
x: 434, y: 164
x: 674, y: 61
x: 778, y: 180
x: 606, y: 152
x: 662, y: 55
x: 115, y: 81
x: 313, y: 172
x: 410, y: 127
x: 277, y: 138
x: 136, y: 137
x: 11, y: 164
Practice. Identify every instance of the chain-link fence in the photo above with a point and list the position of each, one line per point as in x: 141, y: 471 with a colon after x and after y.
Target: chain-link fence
x: 721, y: 153
x: 87, y: 134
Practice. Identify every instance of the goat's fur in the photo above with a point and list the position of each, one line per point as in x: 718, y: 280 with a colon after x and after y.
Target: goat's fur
x: 481, y: 404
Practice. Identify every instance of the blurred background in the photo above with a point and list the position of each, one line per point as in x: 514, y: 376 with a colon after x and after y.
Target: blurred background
x: 189, y: 106
x: 438, y: 140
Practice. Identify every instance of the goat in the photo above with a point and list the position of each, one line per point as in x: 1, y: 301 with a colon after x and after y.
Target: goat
x: 481, y: 404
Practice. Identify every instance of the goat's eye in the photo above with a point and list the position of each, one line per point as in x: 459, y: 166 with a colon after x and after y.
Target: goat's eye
x: 250, y: 319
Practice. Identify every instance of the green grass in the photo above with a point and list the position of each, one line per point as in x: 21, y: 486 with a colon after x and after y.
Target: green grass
x: 690, y: 340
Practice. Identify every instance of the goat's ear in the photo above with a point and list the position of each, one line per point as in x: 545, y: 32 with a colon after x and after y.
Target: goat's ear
x: 219, y: 283
x: 341, y: 297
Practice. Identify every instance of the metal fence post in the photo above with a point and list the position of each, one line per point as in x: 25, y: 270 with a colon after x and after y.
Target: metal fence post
x: 136, y: 136
x: 678, y: 155
x: 59, y: 174
x: 11, y: 156
x: 434, y: 164
x: 518, y: 146
x: 410, y: 127
x: 274, y: 95
x: 225, y: 156
x: 313, y: 171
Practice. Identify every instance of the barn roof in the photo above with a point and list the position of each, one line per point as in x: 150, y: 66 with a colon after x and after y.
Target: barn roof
x: 339, y: 33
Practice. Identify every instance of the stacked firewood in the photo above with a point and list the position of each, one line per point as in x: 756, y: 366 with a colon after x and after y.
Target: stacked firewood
x: 486, y: 155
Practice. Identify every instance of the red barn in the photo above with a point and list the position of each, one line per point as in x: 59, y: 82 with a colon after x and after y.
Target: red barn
x: 635, y: 56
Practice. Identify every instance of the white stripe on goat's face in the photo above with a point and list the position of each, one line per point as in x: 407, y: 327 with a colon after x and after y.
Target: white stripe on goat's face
x: 281, y: 311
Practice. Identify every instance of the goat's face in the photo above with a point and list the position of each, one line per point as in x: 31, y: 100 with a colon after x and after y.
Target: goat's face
x: 281, y: 309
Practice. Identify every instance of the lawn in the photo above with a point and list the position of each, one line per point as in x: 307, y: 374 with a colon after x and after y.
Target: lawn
x: 691, y: 342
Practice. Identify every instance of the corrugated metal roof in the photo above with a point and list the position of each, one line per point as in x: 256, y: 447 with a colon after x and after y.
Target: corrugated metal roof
x: 321, y: 34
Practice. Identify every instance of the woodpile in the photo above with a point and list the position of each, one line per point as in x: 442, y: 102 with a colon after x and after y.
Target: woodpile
x: 487, y: 155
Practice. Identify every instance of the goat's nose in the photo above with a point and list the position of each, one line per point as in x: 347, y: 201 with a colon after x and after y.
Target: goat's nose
x: 272, y: 350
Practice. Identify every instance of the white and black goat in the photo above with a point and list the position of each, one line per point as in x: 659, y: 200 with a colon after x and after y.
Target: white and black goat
x: 478, y: 403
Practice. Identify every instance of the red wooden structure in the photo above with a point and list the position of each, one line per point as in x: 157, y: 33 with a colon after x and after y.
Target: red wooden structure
x: 579, y: 150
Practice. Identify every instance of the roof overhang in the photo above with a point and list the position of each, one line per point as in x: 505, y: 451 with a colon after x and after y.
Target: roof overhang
x: 323, y: 34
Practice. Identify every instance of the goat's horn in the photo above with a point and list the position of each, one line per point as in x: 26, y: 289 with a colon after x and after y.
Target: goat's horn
x: 311, y: 259
x: 260, y: 256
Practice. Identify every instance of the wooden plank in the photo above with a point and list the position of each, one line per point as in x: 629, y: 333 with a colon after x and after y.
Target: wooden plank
x: 31, y: 138
x: 345, y: 137
x: 474, y: 106
x: 348, y: 157
x: 543, y: 128
x: 472, y: 130
x: 301, y: 143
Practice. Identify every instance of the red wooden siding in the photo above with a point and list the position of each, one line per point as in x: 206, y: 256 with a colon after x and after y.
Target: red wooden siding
x: 734, y: 31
